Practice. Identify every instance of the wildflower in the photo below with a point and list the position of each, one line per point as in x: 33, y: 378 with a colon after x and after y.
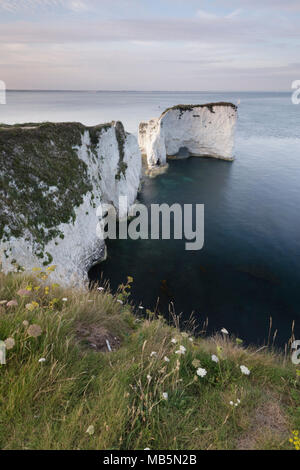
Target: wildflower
x: 224, y: 331
x: 34, y: 331
x: 166, y: 359
x: 181, y: 350
x: 191, y: 339
x: 245, y: 370
x: 184, y: 334
x: 147, y: 448
x: 90, y: 430
x: 173, y: 340
x: 153, y: 354
x: 42, y: 360
x: 31, y: 306
x: 35, y: 270
x: 295, y: 440
x: 54, y: 286
x: 9, y: 343
x: 141, y: 307
x: 25, y: 323
x: 129, y: 279
x: 201, y: 372
x: 165, y: 395
x: 37, y: 288
x: 64, y: 299
x: 51, y: 268
x: 100, y: 289
x: 12, y: 303
x: 214, y: 358
x: 149, y: 378
x: 236, y: 403
x: 196, y: 363
x: 46, y: 290
x: 29, y: 288
x: 23, y: 292
x: 120, y: 301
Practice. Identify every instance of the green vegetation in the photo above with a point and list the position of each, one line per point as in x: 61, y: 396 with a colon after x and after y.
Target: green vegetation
x: 62, y: 389
x: 121, y: 137
x: 43, y: 179
x: 189, y: 107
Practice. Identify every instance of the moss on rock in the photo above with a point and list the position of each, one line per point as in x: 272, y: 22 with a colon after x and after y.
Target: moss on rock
x: 189, y: 107
x: 42, y: 180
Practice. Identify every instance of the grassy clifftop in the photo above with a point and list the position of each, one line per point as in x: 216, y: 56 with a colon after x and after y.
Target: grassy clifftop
x: 43, y: 180
x: 158, y: 388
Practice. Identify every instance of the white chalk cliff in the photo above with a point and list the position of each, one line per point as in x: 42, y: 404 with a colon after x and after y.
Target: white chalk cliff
x: 54, y: 177
x: 196, y: 130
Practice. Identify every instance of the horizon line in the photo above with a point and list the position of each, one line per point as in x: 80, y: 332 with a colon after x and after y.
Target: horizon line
x: 143, y: 91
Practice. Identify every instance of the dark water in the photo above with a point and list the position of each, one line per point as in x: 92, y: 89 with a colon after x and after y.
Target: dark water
x: 249, y: 268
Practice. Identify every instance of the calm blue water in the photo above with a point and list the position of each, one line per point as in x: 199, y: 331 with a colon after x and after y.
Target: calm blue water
x: 249, y: 268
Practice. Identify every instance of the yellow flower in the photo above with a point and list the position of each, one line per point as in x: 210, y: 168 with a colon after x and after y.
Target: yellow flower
x: 51, y: 268
x: 33, y: 305
x: 29, y: 288
x: 295, y: 440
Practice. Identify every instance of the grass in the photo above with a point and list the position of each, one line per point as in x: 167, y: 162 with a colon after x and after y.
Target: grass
x: 118, y: 396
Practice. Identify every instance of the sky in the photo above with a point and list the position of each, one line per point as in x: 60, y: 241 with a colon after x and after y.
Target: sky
x: 188, y: 45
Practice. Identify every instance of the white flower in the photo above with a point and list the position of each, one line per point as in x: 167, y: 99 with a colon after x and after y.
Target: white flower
x: 191, y: 339
x: 141, y: 307
x: 90, y: 430
x: 153, y: 354
x: 120, y: 301
x: 165, y: 395
x: 173, y: 340
x: 181, y: 350
x: 166, y: 359
x: 65, y: 299
x: 201, y: 372
x: 149, y: 378
x: 245, y: 370
x: 224, y: 331
x: 231, y: 403
x: 100, y: 289
x: 238, y: 401
x: 146, y: 448
x: 214, y: 358
x: 42, y: 359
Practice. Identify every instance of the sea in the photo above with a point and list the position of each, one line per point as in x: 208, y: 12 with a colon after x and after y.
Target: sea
x: 249, y: 268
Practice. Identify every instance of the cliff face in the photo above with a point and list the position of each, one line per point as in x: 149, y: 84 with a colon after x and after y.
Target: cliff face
x: 53, y: 178
x: 198, y: 130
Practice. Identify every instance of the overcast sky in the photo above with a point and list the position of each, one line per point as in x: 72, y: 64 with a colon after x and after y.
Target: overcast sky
x: 150, y: 44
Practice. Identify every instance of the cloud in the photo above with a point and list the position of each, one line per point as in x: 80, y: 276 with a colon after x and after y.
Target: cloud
x: 15, y: 6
